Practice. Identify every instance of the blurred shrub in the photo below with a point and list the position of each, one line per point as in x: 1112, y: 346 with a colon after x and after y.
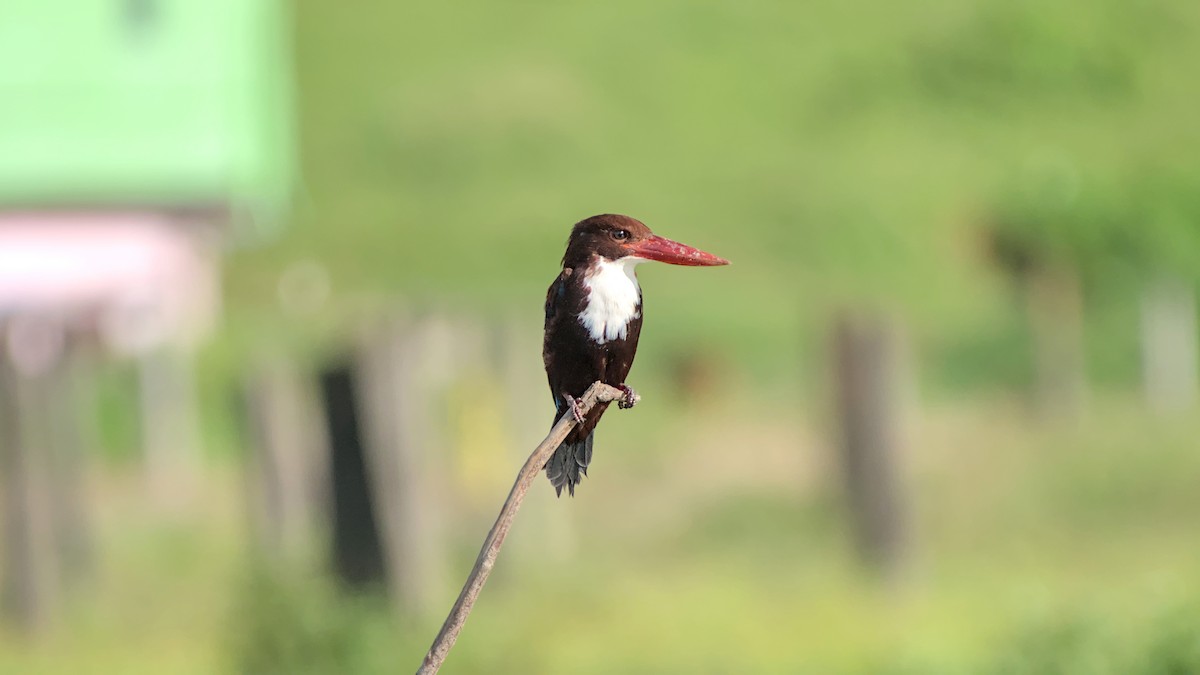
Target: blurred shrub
x: 1021, y: 48
x: 1090, y: 644
x: 1076, y: 644
x: 1174, y: 644
x: 297, y: 624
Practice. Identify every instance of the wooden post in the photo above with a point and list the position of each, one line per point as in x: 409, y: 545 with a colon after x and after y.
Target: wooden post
x: 170, y: 429
x: 29, y: 591
x: 866, y: 358
x: 67, y: 457
x: 404, y: 370
x: 1055, y: 305
x: 283, y: 441
x: 1169, y: 345
x: 357, y: 550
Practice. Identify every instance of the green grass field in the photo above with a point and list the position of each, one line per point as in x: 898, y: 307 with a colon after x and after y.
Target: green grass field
x: 1035, y: 552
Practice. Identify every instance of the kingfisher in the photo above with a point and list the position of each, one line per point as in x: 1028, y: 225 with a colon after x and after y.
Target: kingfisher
x: 593, y: 321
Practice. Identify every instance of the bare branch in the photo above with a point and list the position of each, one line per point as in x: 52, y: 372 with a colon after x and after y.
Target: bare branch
x: 597, y: 393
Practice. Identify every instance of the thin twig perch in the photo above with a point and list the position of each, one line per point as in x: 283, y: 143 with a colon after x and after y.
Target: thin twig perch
x: 597, y: 393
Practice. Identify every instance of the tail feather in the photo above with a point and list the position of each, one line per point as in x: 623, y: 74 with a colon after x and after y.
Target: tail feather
x: 568, y: 465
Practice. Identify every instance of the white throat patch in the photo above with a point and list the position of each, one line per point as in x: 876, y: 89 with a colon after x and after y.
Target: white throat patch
x: 614, y: 299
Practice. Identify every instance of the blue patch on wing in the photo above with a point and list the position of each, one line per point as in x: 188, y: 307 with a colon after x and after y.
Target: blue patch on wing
x: 558, y: 291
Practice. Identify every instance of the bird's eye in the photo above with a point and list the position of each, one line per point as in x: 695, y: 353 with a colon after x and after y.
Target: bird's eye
x: 620, y: 234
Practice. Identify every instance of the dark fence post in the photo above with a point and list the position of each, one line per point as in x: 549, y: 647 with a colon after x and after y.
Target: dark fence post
x: 357, y: 550
x: 67, y: 457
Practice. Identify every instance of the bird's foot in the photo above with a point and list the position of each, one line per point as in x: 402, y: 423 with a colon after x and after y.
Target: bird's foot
x: 573, y: 404
x: 629, y: 399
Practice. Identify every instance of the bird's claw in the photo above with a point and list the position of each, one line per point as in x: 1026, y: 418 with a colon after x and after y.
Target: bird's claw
x: 573, y: 404
x: 629, y: 399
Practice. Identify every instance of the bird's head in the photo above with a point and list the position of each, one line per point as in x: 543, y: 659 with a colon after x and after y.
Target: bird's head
x: 615, y: 237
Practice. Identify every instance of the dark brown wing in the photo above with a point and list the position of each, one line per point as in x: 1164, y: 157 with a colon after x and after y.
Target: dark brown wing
x: 573, y: 362
x: 570, y: 364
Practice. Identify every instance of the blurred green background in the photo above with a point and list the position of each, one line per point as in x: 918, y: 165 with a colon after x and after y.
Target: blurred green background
x: 1002, y: 184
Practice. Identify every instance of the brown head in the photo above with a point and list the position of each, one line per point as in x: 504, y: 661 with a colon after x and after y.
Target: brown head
x: 614, y: 237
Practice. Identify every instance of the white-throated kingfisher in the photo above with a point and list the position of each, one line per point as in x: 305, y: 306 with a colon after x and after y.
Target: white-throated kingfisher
x: 593, y: 320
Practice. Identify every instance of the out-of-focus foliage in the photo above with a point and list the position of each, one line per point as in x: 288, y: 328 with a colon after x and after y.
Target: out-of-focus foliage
x: 1160, y: 230
x: 1165, y: 643
x: 301, y: 625
x: 1019, y: 56
x: 1118, y: 230
x: 833, y: 153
